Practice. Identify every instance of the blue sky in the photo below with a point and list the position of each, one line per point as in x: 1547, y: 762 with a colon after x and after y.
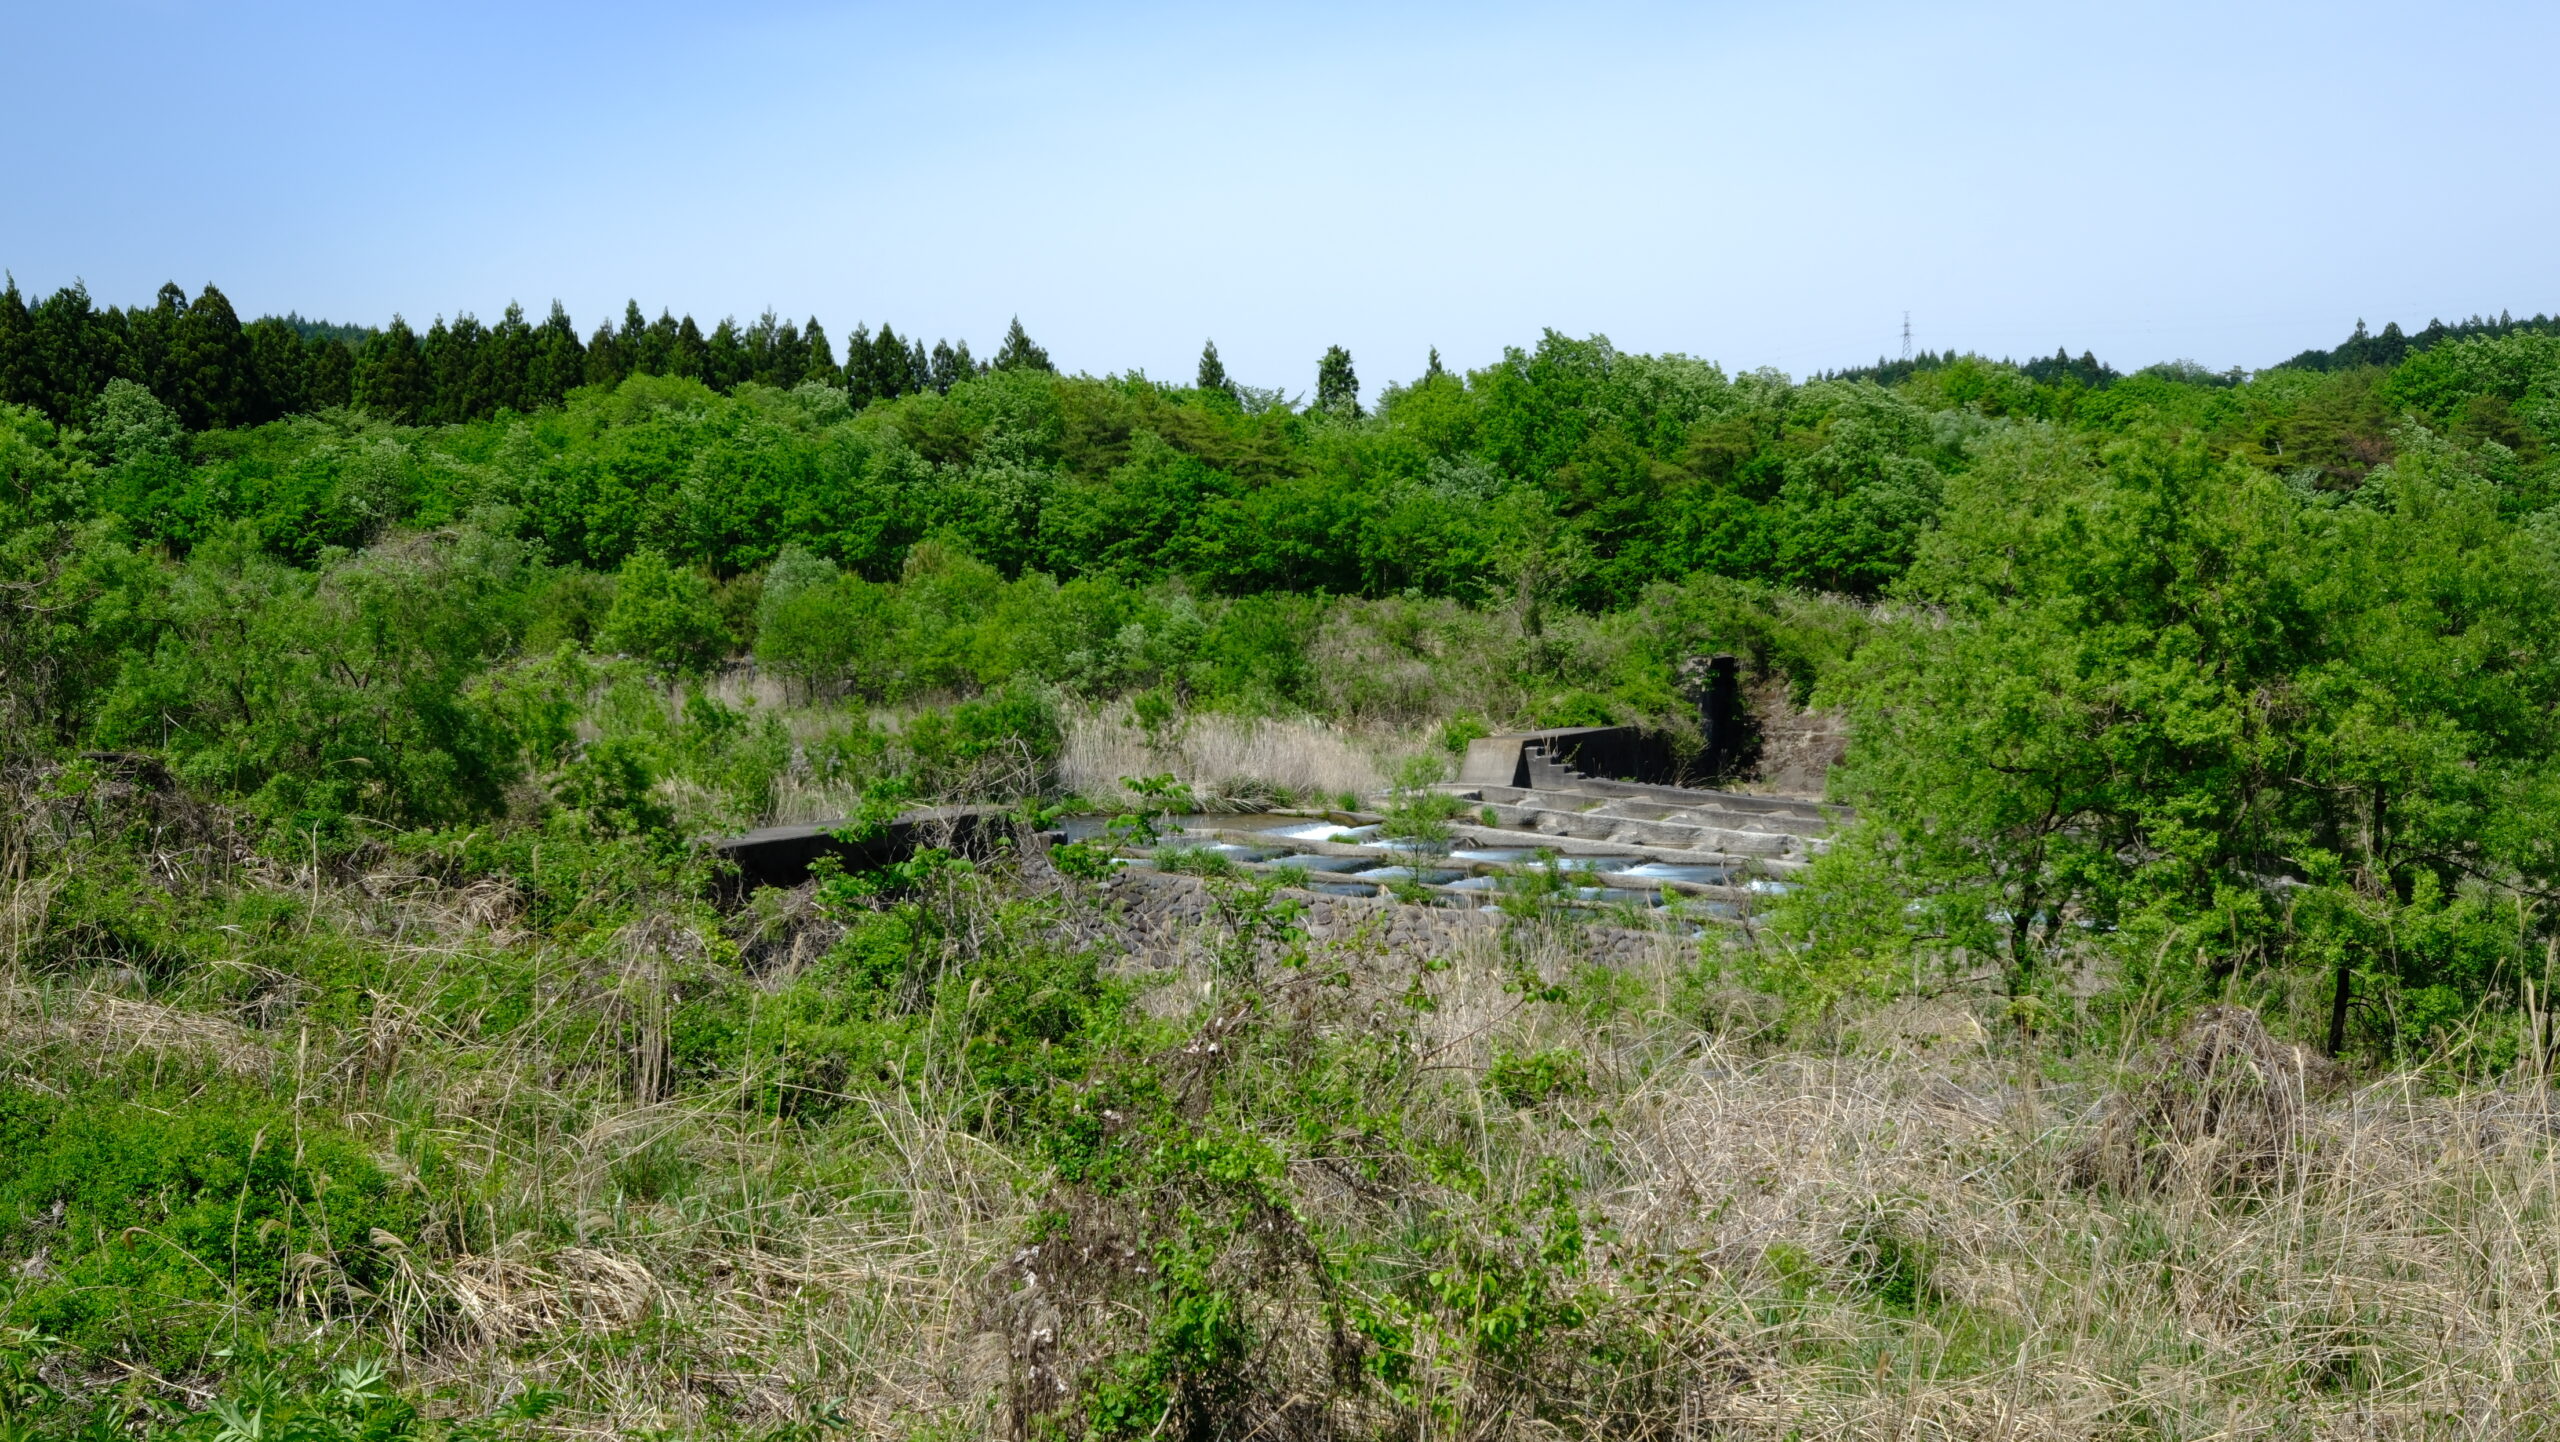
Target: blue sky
x: 1760, y: 185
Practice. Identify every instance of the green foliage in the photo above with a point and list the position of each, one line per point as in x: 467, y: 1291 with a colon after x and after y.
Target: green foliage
x: 167, y: 1222
x: 1457, y: 732
x: 1154, y: 801
x: 1000, y: 1027
x: 664, y: 615
x: 999, y: 747
x: 2164, y: 690
x: 324, y: 696
x: 2169, y: 688
x: 1525, y: 1079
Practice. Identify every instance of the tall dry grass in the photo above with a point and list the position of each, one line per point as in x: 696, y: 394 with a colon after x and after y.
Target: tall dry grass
x: 1243, y: 759
x: 1887, y: 1241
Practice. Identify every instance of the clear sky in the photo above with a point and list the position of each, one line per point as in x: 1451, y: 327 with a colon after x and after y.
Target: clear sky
x: 1761, y: 185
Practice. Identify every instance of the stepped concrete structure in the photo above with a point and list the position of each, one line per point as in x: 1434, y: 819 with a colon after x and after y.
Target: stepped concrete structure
x: 1587, y: 783
x: 1594, y: 808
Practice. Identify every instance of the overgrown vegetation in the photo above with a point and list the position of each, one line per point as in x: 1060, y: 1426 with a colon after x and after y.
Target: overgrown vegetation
x: 2161, y: 1053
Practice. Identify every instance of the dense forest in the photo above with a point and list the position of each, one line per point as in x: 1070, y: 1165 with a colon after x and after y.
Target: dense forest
x: 364, y: 697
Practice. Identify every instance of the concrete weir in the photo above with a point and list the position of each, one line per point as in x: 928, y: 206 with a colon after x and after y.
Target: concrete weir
x: 1603, y: 783
x: 1589, y: 804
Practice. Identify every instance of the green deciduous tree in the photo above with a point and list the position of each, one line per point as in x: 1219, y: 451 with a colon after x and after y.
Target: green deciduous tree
x: 664, y: 615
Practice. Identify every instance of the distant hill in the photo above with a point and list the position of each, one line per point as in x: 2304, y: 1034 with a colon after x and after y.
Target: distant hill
x: 320, y: 330
x: 2060, y: 366
x: 2395, y: 345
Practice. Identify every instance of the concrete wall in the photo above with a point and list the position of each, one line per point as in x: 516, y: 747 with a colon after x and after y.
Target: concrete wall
x: 1621, y: 753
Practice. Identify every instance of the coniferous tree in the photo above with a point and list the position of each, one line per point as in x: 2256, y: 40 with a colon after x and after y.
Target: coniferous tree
x: 790, y: 361
x: 858, y: 383
x: 152, y: 353
x: 1432, y: 371
x: 328, y: 374
x: 890, y: 375
x: 919, y: 368
x: 391, y: 377
x: 279, y: 365
x: 657, y: 348
x: 452, y: 356
x: 1213, y: 371
x: 691, y: 350
x: 209, y: 364
x: 506, y: 364
x: 728, y: 357
x: 631, y: 343
x: 606, y: 363
x: 559, y: 362
x: 19, y: 385
x: 1019, y: 354
x: 946, y: 367
x: 1337, y: 385
x: 76, y: 350
x: 821, y: 364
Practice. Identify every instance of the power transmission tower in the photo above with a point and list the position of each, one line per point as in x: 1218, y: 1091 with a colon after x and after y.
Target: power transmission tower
x: 1906, y: 335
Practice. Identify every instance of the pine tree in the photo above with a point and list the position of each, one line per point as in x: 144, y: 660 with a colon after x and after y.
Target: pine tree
x: 946, y: 367
x: 1019, y: 354
x: 75, y: 349
x: 730, y: 358
x: 919, y: 368
x: 152, y: 342
x: 503, y: 378
x: 1213, y: 372
x: 1432, y: 371
x: 279, y: 366
x: 19, y: 385
x: 209, y: 364
x: 559, y: 362
x: 657, y: 349
x: 821, y: 365
x: 756, y: 344
x: 606, y: 364
x: 858, y: 385
x: 328, y: 374
x: 890, y: 377
x: 692, y: 352
x: 391, y: 377
x: 458, y: 359
x: 1337, y: 385
x: 790, y: 362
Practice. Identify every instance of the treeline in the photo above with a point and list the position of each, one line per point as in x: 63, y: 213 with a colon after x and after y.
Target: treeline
x: 2394, y: 345
x: 2059, y: 368
x: 214, y: 372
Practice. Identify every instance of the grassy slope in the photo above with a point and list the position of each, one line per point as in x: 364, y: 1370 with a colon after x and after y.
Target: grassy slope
x: 1601, y: 1195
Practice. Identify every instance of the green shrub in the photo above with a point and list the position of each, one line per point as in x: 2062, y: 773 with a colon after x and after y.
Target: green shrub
x: 1456, y: 732
x: 164, y: 1227
x: 1525, y: 1079
x: 1009, y: 1023
x: 996, y: 747
x: 664, y: 615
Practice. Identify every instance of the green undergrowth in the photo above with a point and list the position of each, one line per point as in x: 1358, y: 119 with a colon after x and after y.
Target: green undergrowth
x: 1180, y: 1192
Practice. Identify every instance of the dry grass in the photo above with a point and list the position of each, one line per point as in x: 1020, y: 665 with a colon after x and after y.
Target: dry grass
x: 1247, y: 759
x: 1890, y: 1242
x: 1895, y: 1245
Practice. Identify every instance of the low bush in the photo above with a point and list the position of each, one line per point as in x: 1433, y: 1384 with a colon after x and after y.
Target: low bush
x: 160, y: 1226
